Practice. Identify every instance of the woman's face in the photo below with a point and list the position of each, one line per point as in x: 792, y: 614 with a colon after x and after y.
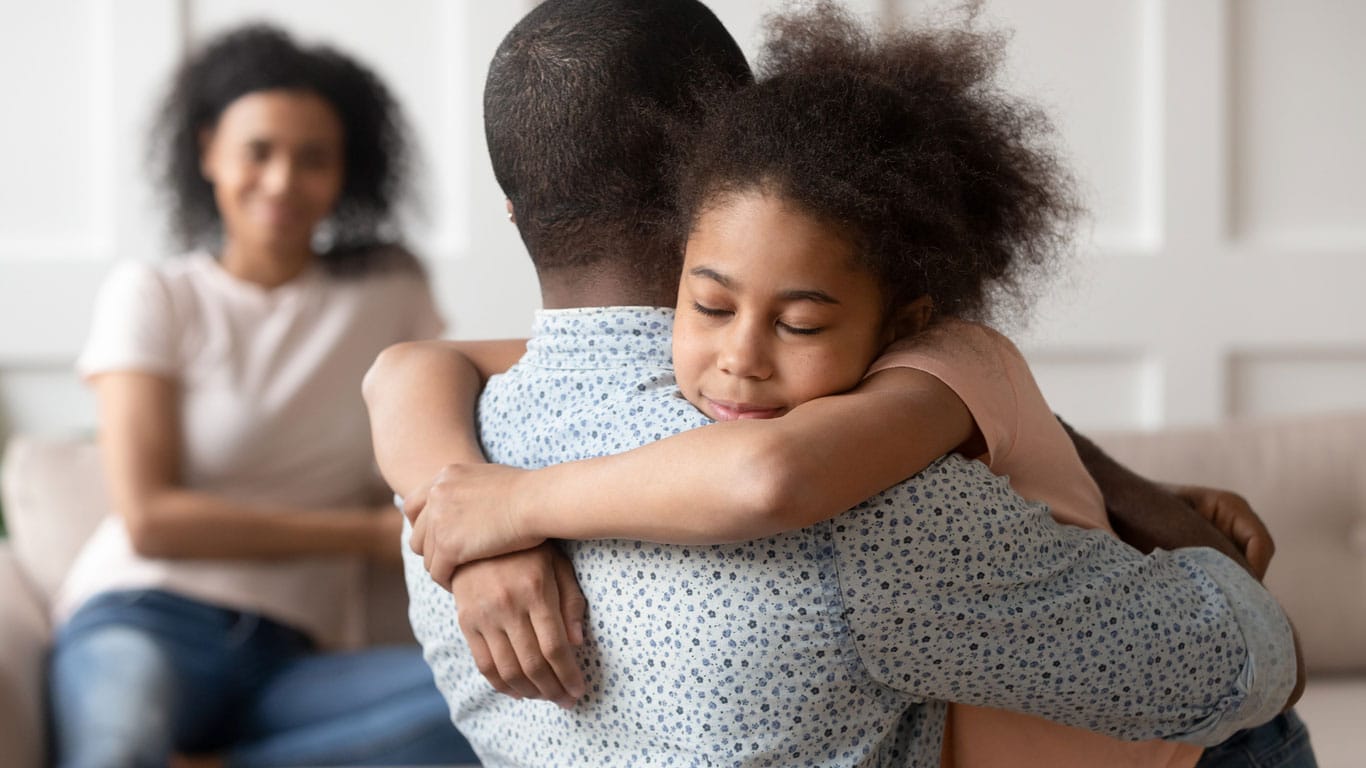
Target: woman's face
x: 773, y: 311
x: 275, y: 160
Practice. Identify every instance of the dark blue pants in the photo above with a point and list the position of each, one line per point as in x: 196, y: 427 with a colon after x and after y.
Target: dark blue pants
x: 1281, y: 743
x: 136, y: 676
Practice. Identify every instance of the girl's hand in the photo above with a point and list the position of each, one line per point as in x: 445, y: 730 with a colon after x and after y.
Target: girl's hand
x: 467, y: 512
x: 1234, y: 518
x: 523, y: 616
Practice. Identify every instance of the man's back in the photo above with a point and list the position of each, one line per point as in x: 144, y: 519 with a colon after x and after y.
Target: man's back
x: 815, y: 647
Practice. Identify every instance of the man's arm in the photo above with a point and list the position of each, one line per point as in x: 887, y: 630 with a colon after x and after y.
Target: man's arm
x: 957, y: 589
x: 1144, y: 514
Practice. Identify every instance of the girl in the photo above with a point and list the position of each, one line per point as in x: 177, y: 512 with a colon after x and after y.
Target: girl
x: 234, y: 444
x: 859, y: 193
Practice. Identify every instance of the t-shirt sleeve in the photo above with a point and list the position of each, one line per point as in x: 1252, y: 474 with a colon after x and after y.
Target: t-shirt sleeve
x: 133, y: 325
x: 426, y: 320
x: 967, y: 357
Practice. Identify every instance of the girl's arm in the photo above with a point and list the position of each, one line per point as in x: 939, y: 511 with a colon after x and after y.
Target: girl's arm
x: 421, y: 397
x: 140, y: 448
x: 731, y: 481
x: 522, y: 614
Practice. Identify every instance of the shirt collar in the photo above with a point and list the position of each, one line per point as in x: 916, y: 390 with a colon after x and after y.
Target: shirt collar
x: 601, y: 337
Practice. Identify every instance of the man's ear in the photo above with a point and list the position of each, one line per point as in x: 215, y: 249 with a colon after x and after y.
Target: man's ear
x: 910, y: 319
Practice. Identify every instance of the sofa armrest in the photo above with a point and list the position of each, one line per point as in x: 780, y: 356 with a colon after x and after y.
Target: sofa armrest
x: 24, y: 638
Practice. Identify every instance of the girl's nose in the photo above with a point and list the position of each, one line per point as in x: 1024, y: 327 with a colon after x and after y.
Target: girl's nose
x: 743, y: 352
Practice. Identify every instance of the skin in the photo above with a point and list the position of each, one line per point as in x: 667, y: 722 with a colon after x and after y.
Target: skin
x: 275, y: 160
x: 773, y: 311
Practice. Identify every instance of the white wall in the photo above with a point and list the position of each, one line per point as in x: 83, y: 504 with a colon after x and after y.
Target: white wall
x: 1219, y: 142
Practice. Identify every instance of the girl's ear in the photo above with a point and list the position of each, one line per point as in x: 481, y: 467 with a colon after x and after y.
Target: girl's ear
x: 512, y: 214
x: 910, y: 319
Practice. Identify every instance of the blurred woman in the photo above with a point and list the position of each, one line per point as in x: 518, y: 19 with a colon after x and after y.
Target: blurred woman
x: 207, y: 614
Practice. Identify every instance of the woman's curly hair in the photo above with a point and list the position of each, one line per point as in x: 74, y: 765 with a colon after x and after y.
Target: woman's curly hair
x: 946, y: 186
x: 260, y: 57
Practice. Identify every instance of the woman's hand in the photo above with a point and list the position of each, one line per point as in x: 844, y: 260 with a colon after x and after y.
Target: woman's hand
x: 466, y: 513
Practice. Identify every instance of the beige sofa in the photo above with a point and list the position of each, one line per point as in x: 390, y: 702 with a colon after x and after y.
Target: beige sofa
x: 1305, y: 476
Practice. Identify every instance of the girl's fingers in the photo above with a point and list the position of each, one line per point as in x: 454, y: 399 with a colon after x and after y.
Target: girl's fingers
x: 483, y: 659
x: 556, y: 648
x: 535, y: 676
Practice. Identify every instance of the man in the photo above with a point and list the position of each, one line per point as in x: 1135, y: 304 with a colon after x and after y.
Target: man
x: 827, y: 646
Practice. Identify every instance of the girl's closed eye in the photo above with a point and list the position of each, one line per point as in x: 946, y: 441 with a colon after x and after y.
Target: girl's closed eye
x: 707, y: 311
x: 800, y: 329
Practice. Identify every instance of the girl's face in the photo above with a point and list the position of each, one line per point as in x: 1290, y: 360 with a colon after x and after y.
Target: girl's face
x: 275, y: 160
x: 773, y: 311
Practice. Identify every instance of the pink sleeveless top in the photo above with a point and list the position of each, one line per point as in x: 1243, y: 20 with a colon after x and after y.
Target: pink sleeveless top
x: 1026, y: 444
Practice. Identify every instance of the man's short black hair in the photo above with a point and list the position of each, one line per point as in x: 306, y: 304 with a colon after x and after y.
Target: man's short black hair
x: 577, y: 109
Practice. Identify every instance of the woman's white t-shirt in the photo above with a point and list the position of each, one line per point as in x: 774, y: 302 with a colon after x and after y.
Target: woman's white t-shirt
x: 270, y: 411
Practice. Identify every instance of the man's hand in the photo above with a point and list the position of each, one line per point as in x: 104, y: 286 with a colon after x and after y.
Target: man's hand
x: 522, y: 615
x: 465, y: 514
x: 1234, y: 518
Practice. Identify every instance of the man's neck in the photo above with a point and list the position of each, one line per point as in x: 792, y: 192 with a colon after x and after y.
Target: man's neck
x: 574, y: 288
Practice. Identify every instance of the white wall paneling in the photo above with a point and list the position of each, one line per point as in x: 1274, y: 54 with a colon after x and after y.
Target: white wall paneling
x: 1217, y: 143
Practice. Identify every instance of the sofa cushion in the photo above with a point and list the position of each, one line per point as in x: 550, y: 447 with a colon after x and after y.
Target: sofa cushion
x: 1306, y: 477
x: 23, y: 648
x: 1332, y: 709
x: 54, y: 496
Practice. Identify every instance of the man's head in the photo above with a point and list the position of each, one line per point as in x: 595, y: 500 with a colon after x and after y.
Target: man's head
x: 577, y: 106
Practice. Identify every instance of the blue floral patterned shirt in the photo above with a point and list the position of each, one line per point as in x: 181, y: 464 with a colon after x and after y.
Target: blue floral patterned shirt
x: 835, y: 645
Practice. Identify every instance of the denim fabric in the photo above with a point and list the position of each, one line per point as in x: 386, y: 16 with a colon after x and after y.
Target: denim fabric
x: 135, y: 676
x: 1281, y: 743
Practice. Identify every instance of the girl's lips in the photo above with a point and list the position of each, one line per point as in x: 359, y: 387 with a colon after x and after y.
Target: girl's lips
x: 724, y: 411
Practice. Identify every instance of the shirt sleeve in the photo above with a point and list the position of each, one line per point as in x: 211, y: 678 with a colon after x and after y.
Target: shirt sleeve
x: 957, y: 589
x: 133, y: 325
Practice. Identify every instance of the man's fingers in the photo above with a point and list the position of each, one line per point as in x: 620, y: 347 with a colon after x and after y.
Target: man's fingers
x: 1258, y: 553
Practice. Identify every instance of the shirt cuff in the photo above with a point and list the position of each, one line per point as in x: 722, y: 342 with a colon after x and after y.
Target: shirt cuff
x: 1269, y: 673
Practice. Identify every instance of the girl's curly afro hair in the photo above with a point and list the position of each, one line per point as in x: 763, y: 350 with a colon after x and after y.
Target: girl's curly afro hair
x: 946, y: 186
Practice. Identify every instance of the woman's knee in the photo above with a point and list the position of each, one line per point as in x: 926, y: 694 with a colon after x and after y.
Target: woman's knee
x: 111, y: 689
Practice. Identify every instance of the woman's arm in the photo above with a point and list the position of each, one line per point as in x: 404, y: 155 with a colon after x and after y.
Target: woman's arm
x: 730, y: 481
x: 140, y: 447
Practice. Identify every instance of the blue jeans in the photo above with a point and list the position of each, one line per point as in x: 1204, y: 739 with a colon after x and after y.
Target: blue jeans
x: 1281, y: 743
x: 137, y: 676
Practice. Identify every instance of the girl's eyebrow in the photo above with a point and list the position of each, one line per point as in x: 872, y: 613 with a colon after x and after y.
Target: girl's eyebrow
x: 820, y: 297
x: 794, y: 294
x: 712, y: 274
